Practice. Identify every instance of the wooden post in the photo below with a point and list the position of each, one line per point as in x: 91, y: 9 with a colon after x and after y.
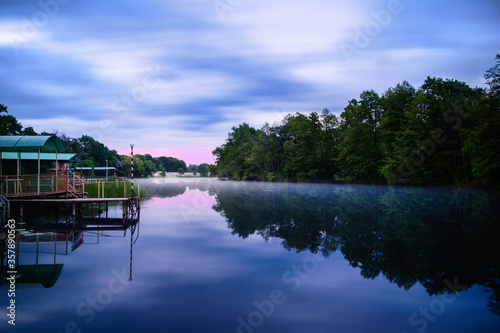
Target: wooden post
x: 67, y: 183
x: 38, y: 176
x: 16, y: 186
x: 57, y: 167
x: 74, y: 215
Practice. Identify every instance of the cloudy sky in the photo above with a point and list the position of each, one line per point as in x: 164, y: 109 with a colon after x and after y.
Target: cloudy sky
x: 173, y: 77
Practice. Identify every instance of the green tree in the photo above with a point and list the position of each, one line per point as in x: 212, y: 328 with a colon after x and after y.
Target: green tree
x: 171, y: 164
x: 8, y: 123
x: 359, y: 154
x: 330, y: 125
x: 203, y: 169
x: 483, y: 141
x: 492, y: 77
x: 234, y: 158
x: 301, y: 147
x: 400, y: 129
x: 29, y: 131
x: 483, y: 144
x: 149, y: 167
x: 443, y: 133
x: 448, y: 104
x: 93, y: 152
x: 139, y: 170
x: 180, y: 171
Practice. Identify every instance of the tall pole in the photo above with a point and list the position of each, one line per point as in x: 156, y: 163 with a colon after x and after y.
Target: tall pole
x: 132, y: 167
x: 106, y: 170
x: 131, y: 237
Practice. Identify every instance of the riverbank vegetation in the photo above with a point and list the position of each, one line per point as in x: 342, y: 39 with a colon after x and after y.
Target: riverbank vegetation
x: 94, y: 153
x: 443, y: 133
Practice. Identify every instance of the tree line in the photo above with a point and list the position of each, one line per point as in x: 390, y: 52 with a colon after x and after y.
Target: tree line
x: 443, y: 133
x: 94, y: 153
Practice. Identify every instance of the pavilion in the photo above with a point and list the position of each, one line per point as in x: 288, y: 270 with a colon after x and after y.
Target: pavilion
x: 23, y: 149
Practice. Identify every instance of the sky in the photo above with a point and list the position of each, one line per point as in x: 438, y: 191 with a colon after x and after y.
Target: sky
x: 173, y: 77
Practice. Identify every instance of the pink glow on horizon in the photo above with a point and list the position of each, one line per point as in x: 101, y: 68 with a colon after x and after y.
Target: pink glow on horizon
x: 190, y: 155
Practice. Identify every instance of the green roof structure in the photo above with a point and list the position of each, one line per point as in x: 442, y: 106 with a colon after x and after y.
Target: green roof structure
x: 34, y: 156
x: 31, y: 143
x: 31, y: 147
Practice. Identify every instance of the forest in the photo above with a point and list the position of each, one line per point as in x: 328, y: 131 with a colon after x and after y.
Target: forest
x: 94, y: 153
x: 443, y: 133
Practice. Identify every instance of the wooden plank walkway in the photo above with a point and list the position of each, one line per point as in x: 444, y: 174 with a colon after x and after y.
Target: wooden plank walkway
x: 25, y: 195
x: 73, y: 200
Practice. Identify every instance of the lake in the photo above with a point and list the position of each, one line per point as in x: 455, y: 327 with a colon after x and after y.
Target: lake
x: 221, y: 256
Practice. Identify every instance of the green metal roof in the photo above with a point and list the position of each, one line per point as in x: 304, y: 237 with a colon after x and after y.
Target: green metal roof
x: 34, y: 156
x: 31, y: 143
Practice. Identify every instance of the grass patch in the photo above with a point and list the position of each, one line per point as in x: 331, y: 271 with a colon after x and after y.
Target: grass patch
x: 113, y: 189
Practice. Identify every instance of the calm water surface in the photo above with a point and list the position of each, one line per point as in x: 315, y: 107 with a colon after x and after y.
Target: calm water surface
x: 215, y: 256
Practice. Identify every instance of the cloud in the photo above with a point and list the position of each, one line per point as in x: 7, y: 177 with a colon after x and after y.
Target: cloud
x: 93, y: 63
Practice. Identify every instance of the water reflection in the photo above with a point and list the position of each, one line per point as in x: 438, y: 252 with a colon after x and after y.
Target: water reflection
x: 198, y: 275
x: 434, y: 237
x: 172, y: 187
x: 58, y: 229
x: 37, y: 243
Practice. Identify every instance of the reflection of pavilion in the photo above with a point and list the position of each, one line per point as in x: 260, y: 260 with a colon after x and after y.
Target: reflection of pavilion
x: 38, y: 243
x: 42, y: 239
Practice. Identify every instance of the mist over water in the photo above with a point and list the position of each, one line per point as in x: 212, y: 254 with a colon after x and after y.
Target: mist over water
x: 220, y: 256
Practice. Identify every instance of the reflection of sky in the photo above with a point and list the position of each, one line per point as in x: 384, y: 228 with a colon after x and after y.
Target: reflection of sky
x: 194, y: 276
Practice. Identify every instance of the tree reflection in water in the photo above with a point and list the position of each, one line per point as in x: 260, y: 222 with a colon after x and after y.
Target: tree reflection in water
x: 409, y: 235
x: 431, y: 236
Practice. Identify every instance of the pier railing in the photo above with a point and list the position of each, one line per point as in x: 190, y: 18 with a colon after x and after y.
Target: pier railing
x: 43, y: 184
x: 99, y: 188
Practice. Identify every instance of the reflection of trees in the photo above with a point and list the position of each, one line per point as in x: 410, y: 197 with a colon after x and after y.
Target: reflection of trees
x: 410, y: 235
x: 167, y: 188
x: 275, y: 211
x: 494, y: 294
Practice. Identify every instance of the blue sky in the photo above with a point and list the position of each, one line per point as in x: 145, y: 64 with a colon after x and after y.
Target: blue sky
x: 174, y: 77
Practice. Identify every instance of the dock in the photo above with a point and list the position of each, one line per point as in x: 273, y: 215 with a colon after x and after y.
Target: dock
x: 74, y: 200
x: 77, y: 221
x: 50, y: 211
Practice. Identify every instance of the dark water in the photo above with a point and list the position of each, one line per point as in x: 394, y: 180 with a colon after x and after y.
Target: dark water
x: 214, y: 256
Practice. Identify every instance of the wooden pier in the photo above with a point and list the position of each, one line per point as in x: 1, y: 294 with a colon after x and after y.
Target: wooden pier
x: 130, y: 213
x: 75, y: 200
x: 41, y: 229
